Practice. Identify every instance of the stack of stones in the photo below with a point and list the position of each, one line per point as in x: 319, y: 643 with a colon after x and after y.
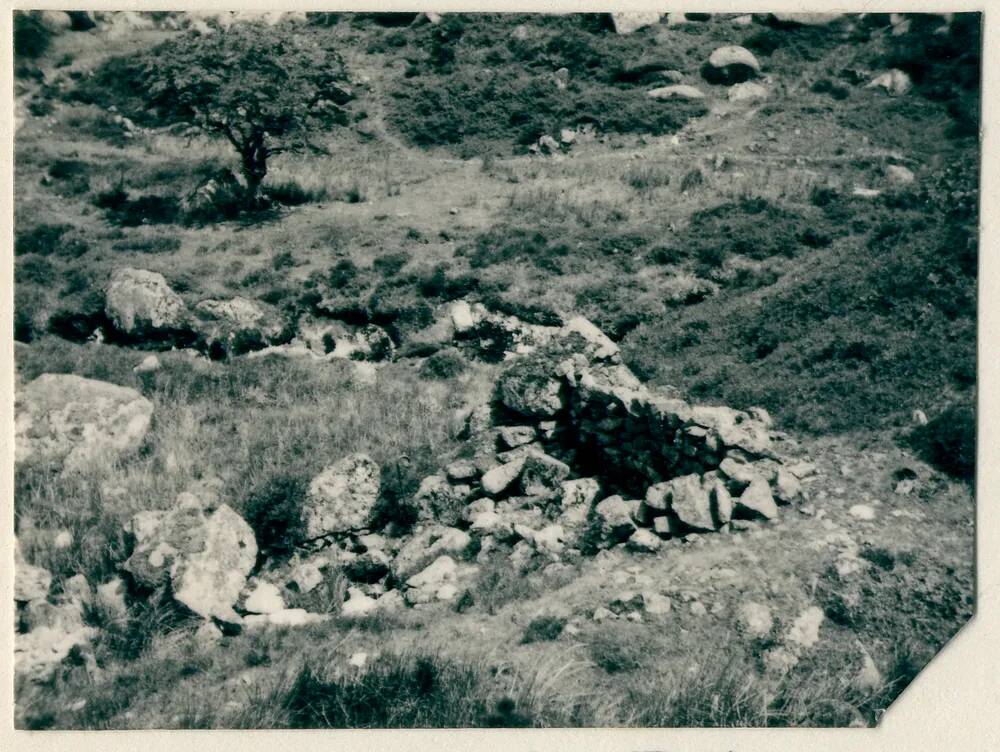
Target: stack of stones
x: 570, y: 425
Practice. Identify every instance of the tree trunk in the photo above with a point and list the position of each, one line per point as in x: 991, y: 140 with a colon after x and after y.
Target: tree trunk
x: 254, y: 156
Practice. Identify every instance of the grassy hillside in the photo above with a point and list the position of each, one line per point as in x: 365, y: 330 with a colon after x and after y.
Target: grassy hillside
x: 723, y: 244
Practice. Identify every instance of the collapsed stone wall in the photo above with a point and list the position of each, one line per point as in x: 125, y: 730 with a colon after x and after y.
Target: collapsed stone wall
x: 694, y: 465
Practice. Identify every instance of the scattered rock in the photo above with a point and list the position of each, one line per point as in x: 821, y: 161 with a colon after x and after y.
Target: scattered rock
x: 542, y: 474
x: 644, y: 541
x: 264, y: 599
x: 289, y: 617
x: 899, y: 175
x: 515, y: 436
x: 755, y: 619
x: 862, y: 512
x: 676, y: 91
x: 628, y: 23
x: 615, y: 516
x: 110, y: 596
x: 30, y: 582
x: 235, y: 326
x: 425, y: 586
x: 149, y: 364
x: 757, y: 499
x: 894, y: 81
x: 690, y: 502
x: 78, y: 421
x: 500, y: 478
x: 438, y: 500
x: 205, y: 553
x: 462, y: 470
x: 655, y: 604
x: 341, y: 498
x: 806, y: 19
x: 305, y: 576
x: 804, y: 632
x: 748, y: 91
x: 358, y: 604
x: 430, y: 543
x: 730, y: 65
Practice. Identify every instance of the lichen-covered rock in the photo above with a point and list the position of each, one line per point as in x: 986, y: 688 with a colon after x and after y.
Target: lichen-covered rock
x: 515, y: 436
x: 498, y: 479
x: 689, y: 500
x: 140, y: 304
x: 78, y: 421
x: 577, y: 498
x: 427, y: 585
x: 542, y: 474
x: 440, y: 501
x: 341, y: 498
x: 531, y: 393
x: 204, y: 551
x: 429, y: 543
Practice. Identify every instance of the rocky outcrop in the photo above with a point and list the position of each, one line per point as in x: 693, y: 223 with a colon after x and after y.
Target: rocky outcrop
x: 143, y: 308
x: 77, y: 421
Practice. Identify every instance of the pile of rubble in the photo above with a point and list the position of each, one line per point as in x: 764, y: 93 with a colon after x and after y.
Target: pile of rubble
x: 574, y: 455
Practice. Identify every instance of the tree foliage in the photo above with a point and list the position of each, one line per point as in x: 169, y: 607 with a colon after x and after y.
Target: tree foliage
x: 263, y: 91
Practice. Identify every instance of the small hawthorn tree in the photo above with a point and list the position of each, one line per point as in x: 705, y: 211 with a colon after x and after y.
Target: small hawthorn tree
x: 263, y: 89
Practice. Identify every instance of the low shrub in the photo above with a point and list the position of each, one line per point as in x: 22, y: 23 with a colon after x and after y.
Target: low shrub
x: 155, y: 244
x: 34, y: 269
x: 390, y: 264
x: 948, y: 441
x: 343, y: 273
x: 45, y: 239
x: 150, y: 209
x: 392, y: 692
x: 616, y: 652
x: 31, y: 37
x: 292, y: 193
x: 274, y: 511
x: 446, y: 364
x: 543, y: 629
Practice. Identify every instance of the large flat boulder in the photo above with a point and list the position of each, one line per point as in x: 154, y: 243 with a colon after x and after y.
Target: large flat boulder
x: 67, y: 418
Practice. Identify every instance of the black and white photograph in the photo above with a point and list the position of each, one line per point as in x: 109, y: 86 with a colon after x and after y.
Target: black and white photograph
x: 492, y: 370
